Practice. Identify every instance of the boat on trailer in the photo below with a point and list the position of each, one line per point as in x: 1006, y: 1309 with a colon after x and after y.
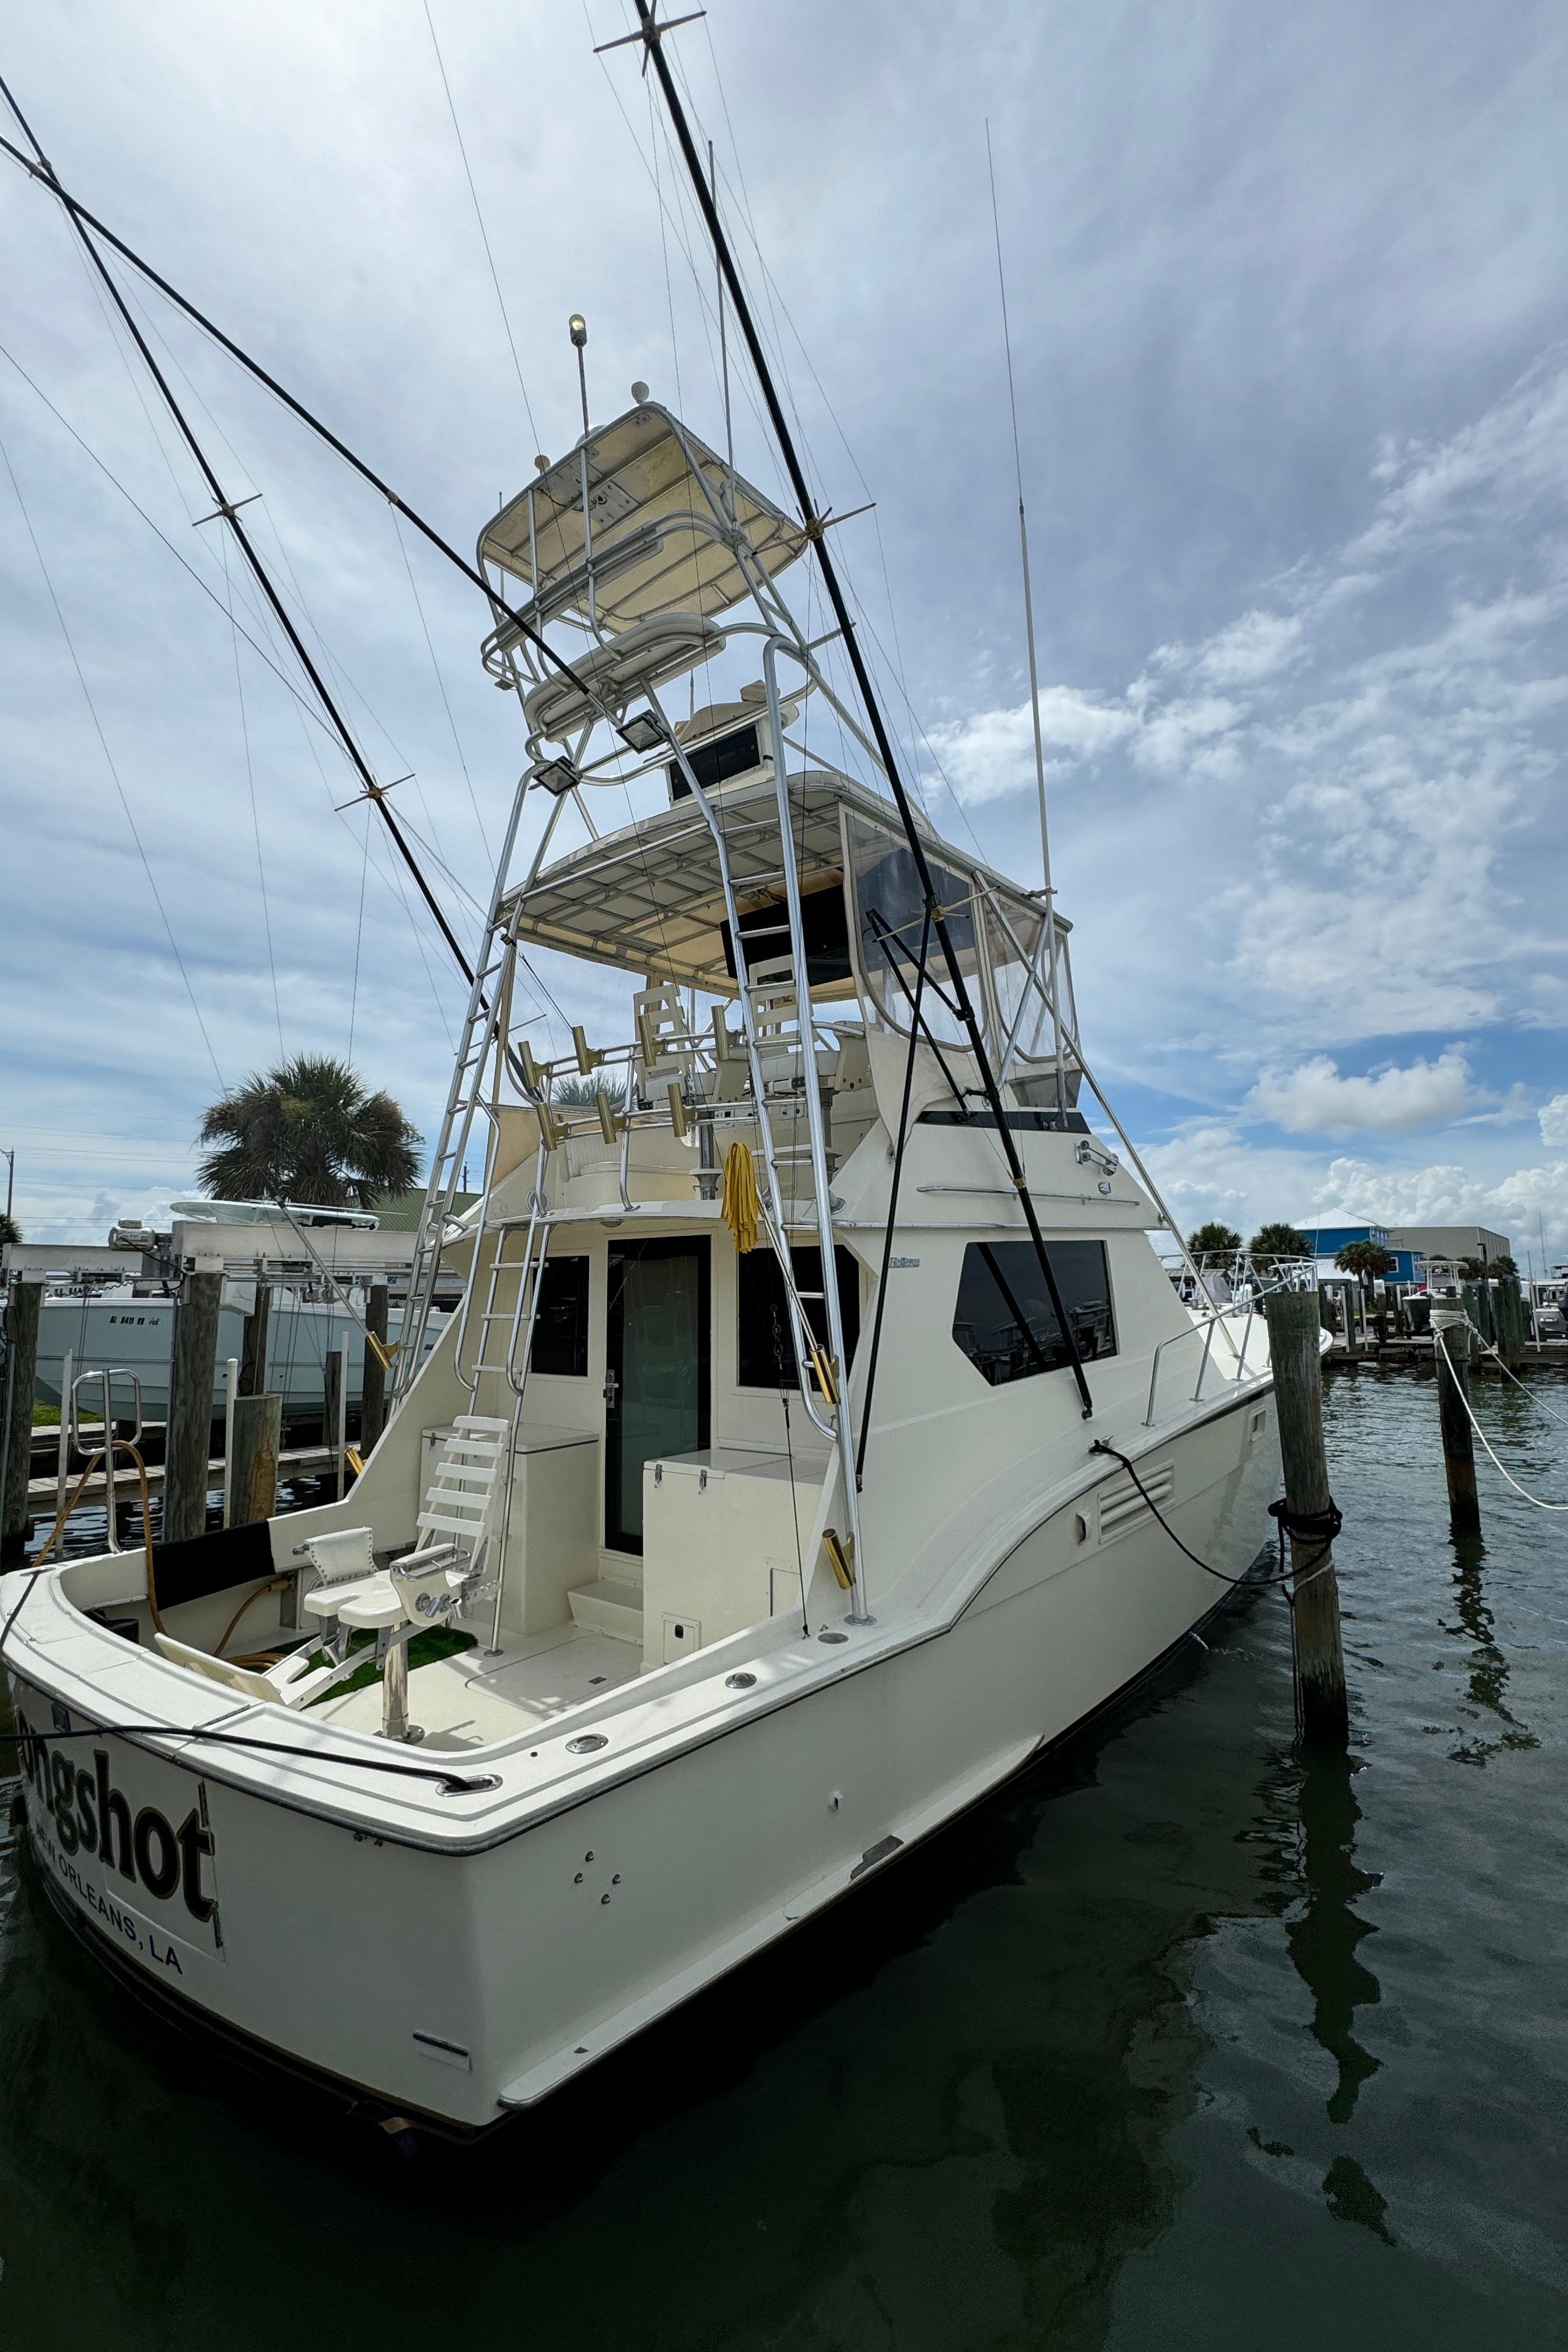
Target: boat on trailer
x: 750, y: 1518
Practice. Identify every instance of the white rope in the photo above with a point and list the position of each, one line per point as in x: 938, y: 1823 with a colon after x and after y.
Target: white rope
x: 1486, y: 1441
x: 1495, y: 1355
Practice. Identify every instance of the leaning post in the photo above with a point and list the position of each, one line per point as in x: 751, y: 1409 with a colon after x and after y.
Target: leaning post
x: 188, y: 1446
x: 23, y: 1300
x: 1293, y: 1328
x: 1451, y: 1346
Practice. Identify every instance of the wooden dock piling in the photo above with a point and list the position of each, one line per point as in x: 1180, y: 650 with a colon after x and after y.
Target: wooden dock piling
x: 188, y: 1445
x: 1510, y: 1306
x: 373, y: 1385
x: 23, y: 1300
x: 257, y: 1442
x: 334, y: 1411
x: 1293, y: 1328
x: 1451, y: 1346
x: 253, y: 1356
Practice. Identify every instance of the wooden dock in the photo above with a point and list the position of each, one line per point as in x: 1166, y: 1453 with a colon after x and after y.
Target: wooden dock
x: 296, y: 1461
x: 1419, y: 1349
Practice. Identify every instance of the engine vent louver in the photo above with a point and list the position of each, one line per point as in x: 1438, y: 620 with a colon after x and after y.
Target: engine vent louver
x: 1120, y: 1505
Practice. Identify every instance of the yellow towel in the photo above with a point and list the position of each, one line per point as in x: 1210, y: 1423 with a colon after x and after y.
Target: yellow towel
x: 739, y: 1206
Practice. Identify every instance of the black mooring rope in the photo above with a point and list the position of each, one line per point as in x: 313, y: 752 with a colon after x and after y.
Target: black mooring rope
x: 1307, y: 1526
x: 451, y: 1784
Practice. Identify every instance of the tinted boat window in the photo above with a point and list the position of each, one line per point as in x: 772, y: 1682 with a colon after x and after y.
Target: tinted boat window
x: 1004, y: 1320
x: 763, y: 1347
x: 560, y: 1326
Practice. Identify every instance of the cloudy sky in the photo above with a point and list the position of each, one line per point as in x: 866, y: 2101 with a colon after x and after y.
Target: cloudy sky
x: 1289, y: 305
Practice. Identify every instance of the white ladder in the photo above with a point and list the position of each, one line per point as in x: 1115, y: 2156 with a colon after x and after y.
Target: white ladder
x: 484, y: 1034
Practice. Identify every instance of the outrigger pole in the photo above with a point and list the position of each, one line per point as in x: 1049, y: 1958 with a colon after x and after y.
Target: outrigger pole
x: 229, y: 510
x: 39, y: 167
x: 651, y: 32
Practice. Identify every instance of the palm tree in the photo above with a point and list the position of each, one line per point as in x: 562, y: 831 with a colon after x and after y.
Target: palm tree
x: 1366, y: 1261
x: 1478, y: 1269
x: 309, y: 1130
x: 1270, y: 1244
x: 1214, y: 1240
x: 10, y: 1231
x: 574, y: 1092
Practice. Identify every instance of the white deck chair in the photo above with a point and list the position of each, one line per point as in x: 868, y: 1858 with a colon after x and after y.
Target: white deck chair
x: 411, y: 1596
x: 421, y: 1589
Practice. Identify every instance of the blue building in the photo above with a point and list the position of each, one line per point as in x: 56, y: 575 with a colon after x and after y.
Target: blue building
x: 1325, y: 1241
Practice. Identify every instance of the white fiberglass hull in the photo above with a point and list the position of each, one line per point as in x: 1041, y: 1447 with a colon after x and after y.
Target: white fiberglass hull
x: 458, y: 1983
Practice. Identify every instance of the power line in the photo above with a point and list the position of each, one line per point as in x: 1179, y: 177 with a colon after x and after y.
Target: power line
x: 478, y: 216
x: 109, y: 762
x: 255, y: 818
x: 206, y: 589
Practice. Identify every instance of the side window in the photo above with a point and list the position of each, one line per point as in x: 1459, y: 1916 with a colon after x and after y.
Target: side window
x: 1004, y: 1320
x: 560, y: 1326
x: 764, y: 1350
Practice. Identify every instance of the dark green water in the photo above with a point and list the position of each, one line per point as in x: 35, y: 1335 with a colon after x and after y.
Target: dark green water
x: 1174, y: 2045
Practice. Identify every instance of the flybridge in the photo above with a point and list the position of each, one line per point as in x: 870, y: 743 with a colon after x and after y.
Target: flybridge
x: 642, y: 521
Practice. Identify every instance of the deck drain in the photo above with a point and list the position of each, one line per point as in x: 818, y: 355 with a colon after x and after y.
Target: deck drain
x: 585, y: 1743
x: 833, y: 1637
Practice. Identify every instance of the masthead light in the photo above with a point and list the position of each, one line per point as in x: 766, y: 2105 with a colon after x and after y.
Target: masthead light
x: 577, y: 328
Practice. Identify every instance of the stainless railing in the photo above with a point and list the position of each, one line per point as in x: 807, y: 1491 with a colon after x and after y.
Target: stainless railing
x: 1287, y: 1277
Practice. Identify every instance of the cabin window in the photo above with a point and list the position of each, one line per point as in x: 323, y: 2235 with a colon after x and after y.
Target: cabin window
x: 714, y: 763
x: 763, y: 1346
x: 1004, y: 1320
x: 560, y: 1326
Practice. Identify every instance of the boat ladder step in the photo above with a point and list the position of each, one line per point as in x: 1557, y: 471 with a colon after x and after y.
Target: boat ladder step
x: 609, y: 1607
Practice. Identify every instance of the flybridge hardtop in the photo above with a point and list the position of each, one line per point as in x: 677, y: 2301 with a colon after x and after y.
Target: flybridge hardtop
x: 649, y: 897
x: 747, y: 1519
x: 641, y: 520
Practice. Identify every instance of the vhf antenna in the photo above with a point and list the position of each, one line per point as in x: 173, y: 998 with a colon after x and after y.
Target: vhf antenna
x: 1048, y: 892
x: 650, y: 31
x: 577, y: 328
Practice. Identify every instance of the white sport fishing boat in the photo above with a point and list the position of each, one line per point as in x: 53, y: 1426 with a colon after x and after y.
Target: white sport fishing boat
x: 749, y: 1520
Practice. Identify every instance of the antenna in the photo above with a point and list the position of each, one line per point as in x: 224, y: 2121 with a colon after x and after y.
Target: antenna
x: 577, y: 328
x: 650, y: 31
x: 1048, y: 890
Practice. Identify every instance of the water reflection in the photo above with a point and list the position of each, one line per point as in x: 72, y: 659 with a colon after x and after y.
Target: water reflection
x: 941, y: 2117
x: 1324, y: 1942
x: 1489, y: 1667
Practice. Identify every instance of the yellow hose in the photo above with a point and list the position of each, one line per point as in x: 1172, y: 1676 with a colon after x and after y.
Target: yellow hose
x: 106, y: 1454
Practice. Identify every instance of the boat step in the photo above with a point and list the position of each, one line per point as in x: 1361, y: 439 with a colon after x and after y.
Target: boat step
x: 608, y: 1607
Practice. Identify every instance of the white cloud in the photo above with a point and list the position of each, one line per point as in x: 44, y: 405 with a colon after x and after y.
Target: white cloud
x: 1553, y: 1118
x: 1256, y: 646
x: 1520, y: 1204
x: 1314, y: 1099
x: 1213, y: 1171
x: 1183, y: 735
x: 992, y: 753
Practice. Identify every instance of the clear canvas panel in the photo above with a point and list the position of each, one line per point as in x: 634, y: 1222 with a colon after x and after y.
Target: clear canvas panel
x: 887, y: 922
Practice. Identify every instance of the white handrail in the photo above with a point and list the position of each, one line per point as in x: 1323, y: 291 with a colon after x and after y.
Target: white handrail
x: 1208, y: 1327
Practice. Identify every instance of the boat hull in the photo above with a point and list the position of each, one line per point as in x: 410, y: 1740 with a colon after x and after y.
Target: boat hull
x: 456, y: 1985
